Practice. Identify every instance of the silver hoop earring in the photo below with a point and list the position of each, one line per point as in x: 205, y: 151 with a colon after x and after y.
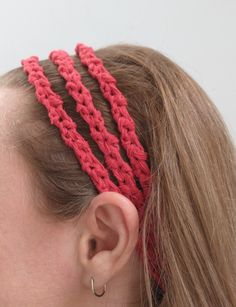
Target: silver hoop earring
x: 93, y: 289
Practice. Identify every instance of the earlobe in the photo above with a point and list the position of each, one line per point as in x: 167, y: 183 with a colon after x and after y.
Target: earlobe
x: 109, y: 232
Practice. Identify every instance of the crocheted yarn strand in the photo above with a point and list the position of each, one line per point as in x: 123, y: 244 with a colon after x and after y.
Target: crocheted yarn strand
x: 107, y: 142
x: 125, y: 123
x: 58, y: 117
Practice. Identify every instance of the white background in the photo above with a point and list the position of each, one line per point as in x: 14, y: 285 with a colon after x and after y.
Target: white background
x: 199, y: 35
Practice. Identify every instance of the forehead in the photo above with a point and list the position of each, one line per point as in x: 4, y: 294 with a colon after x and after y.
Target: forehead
x: 5, y: 110
x: 12, y: 165
x: 11, y: 111
x: 7, y: 106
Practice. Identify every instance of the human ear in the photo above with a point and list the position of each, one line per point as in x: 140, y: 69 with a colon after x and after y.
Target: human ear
x: 109, y: 233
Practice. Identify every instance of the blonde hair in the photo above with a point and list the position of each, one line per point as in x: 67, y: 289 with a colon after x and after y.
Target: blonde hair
x: 191, y: 157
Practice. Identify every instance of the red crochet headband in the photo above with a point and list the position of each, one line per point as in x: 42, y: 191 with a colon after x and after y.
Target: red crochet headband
x: 107, y: 142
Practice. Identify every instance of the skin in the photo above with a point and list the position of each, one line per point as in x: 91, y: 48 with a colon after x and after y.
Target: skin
x: 49, y: 263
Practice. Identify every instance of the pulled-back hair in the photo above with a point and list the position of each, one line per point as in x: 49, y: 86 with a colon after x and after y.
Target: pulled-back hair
x: 192, y: 161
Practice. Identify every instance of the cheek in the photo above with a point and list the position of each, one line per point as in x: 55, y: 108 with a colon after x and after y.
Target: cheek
x: 37, y: 259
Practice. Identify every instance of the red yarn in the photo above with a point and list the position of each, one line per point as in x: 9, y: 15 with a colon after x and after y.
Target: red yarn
x: 125, y: 123
x: 107, y: 142
x: 58, y: 117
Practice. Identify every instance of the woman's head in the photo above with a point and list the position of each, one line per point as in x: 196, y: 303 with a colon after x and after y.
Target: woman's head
x: 57, y: 230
